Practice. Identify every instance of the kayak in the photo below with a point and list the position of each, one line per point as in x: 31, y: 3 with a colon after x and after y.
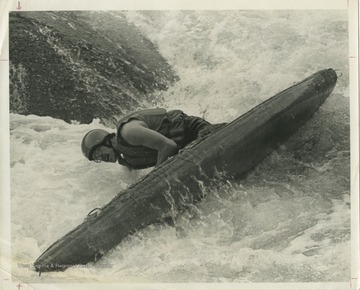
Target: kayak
x: 229, y: 152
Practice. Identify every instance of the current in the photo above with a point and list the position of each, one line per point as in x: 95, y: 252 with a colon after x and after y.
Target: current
x: 287, y: 221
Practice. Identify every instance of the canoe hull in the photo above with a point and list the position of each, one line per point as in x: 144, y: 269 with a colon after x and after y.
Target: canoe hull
x: 234, y: 150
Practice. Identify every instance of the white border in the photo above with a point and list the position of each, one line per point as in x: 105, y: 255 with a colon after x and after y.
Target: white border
x: 43, y: 5
x: 46, y: 5
x: 5, y: 250
x: 354, y: 140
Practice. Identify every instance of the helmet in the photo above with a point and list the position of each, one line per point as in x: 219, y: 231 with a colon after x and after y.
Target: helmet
x: 91, y: 140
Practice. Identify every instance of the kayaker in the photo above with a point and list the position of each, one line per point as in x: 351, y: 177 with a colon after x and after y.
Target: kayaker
x: 144, y: 138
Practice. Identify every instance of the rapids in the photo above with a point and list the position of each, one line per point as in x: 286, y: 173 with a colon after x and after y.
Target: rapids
x: 287, y: 221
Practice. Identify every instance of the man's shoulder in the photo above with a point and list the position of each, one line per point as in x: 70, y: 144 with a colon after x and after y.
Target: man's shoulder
x: 133, y: 124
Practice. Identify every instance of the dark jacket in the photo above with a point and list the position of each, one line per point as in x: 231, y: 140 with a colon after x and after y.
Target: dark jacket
x: 171, y: 124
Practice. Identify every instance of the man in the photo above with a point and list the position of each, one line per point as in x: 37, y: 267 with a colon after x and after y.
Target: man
x: 144, y: 138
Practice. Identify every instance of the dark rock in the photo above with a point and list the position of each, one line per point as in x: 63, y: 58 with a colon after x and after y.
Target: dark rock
x: 82, y: 65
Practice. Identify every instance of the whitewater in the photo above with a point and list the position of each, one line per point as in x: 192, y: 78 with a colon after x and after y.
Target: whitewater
x: 287, y: 221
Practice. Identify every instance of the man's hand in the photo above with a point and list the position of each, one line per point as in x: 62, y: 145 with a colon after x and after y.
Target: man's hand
x: 137, y: 133
x: 169, y: 148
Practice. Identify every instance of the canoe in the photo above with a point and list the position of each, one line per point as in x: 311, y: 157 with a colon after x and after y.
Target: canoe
x: 182, y: 180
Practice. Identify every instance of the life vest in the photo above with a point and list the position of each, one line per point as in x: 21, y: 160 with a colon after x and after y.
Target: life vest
x: 170, y: 124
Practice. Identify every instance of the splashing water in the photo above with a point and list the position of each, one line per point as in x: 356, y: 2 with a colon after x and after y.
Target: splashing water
x: 287, y: 221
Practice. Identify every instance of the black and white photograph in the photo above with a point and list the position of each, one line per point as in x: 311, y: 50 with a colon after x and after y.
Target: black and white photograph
x: 182, y: 146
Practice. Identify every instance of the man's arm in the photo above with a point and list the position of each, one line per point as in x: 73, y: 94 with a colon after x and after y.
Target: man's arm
x: 137, y: 133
